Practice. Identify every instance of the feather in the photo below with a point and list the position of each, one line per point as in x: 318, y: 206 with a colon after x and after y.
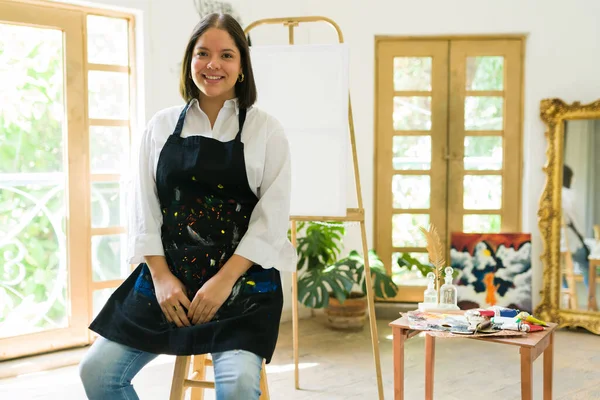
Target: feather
x: 435, y: 250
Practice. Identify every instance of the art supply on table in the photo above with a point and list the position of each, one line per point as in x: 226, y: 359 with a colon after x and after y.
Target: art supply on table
x: 524, y: 316
x: 448, y: 291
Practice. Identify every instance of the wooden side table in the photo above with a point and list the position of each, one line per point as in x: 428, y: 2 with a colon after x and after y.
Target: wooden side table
x: 592, y: 303
x: 530, y: 347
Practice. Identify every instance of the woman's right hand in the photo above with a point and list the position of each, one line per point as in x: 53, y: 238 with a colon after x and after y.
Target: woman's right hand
x: 170, y: 293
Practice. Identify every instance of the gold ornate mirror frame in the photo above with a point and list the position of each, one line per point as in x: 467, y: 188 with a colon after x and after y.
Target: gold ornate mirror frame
x: 554, y: 113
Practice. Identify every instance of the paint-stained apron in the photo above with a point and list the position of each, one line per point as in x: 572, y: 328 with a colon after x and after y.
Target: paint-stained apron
x: 206, y: 203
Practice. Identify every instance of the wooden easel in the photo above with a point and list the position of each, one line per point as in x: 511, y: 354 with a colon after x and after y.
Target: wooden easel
x: 352, y: 214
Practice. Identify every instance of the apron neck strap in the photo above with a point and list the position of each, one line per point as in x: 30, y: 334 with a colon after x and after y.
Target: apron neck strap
x: 241, y: 120
x: 179, y: 126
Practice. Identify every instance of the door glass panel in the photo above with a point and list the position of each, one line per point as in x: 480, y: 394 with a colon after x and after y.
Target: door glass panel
x: 100, y: 297
x: 485, y: 73
x: 481, y: 223
x: 33, y: 256
x: 411, y: 191
x: 108, y: 95
x: 108, y: 261
x: 109, y: 149
x: 107, y: 204
x: 484, y: 113
x: 412, y: 73
x: 409, y: 277
x: 482, y: 192
x: 412, y: 113
x: 405, y: 230
x: 412, y: 153
x: 483, y: 153
x: 107, y: 40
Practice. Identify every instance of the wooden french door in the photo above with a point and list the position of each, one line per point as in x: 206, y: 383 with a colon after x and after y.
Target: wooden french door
x: 42, y: 180
x: 66, y: 117
x: 448, y: 145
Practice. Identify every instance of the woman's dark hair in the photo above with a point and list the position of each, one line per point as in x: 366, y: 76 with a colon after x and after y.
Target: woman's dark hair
x: 567, y: 176
x: 245, y: 91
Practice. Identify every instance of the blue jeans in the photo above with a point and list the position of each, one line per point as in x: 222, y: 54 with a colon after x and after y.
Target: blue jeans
x: 108, y: 368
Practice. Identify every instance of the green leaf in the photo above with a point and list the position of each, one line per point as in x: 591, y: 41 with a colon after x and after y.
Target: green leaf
x: 314, y: 287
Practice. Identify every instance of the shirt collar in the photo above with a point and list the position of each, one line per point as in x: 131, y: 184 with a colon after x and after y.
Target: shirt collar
x: 228, y: 104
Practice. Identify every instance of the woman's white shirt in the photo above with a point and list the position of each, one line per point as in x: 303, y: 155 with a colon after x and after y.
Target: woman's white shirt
x: 268, y: 167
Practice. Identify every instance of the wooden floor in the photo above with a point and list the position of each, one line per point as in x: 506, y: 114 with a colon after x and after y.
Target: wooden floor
x: 340, y: 366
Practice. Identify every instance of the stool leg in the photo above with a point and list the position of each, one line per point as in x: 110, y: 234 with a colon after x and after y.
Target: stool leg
x: 199, y: 372
x: 264, y: 385
x: 182, y: 366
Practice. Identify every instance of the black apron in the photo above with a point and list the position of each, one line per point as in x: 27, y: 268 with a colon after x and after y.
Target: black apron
x: 206, y: 204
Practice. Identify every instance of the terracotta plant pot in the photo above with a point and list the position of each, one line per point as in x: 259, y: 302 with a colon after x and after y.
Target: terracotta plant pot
x: 351, y: 315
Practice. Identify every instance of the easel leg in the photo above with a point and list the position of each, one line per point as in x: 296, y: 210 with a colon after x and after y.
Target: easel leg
x: 295, y: 312
x: 398, y: 338
x: 372, y: 317
x: 526, y: 374
x: 295, y: 327
x: 429, y: 366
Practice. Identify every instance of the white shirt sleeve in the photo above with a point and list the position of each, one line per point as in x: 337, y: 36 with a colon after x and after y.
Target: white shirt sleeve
x: 267, y: 231
x: 144, y: 215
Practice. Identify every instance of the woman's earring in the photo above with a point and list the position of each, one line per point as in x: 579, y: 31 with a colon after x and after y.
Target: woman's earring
x: 241, y: 77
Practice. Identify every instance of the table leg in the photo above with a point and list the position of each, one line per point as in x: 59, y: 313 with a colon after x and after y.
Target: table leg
x: 398, y: 338
x: 548, y: 360
x: 526, y: 373
x: 429, y: 365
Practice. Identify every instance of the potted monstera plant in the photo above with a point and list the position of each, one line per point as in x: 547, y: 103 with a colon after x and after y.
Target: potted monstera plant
x: 337, y: 284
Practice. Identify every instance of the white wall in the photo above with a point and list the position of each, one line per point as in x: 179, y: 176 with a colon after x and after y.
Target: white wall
x: 562, y: 60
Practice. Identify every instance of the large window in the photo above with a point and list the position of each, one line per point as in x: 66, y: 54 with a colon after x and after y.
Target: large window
x: 448, y: 144
x: 66, y: 85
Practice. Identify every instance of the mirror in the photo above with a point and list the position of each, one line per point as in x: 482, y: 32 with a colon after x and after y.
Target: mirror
x: 580, y: 215
x: 569, y: 215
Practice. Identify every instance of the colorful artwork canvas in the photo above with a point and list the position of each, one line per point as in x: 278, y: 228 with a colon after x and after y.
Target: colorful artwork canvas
x: 493, y: 269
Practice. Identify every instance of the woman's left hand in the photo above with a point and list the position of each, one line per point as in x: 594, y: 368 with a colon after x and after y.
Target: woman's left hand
x: 208, y: 299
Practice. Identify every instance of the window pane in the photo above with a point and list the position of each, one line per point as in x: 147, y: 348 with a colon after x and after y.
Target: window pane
x: 476, y: 223
x: 411, y: 191
x: 33, y: 247
x: 482, y: 192
x: 31, y: 99
x: 409, y: 277
x: 100, y: 298
x: 108, y: 95
x: 412, y: 113
x: 108, y: 260
x: 485, y: 73
x: 412, y: 153
x: 483, y: 152
x: 107, y: 204
x: 412, y: 73
x: 108, y: 40
x: 483, y: 113
x: 109, y: 147
x: 405, y: 230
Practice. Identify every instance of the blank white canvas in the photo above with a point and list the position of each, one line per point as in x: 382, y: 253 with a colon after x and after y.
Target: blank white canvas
x: 306, y: 88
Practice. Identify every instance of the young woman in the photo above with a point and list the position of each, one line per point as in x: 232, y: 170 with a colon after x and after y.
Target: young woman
x: 208, y: 226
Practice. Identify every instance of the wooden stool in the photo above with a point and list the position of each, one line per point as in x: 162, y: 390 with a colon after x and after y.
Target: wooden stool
x: 196, y: 381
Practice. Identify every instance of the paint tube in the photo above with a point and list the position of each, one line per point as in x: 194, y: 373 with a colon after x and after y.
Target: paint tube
x: 504, y: 312
x: 503, y: 320
x: 523, y: 316
x: 517, y: 326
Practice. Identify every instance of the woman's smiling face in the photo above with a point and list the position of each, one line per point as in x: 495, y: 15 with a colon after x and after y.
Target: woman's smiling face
x: 216, y: 64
